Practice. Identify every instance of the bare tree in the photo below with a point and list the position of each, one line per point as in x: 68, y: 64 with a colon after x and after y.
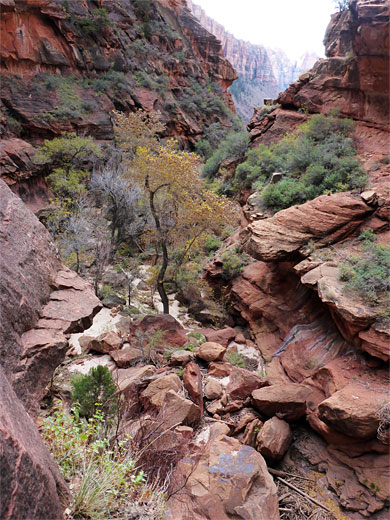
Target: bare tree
x: 74, y: 238
x: 123, y: 204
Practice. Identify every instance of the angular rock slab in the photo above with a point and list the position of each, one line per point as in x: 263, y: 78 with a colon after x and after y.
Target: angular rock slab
x: 324, y: 220
x: 230, y: 481
x: 286, y: 401
x: 353, y: 410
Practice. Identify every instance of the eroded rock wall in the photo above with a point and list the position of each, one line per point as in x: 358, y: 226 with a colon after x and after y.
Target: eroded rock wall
x: 66, y: 65
x: 262, y: 72
x: 353, y: 79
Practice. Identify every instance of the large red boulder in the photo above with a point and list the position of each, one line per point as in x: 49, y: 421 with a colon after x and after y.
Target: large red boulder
x: 286, y: 401
x: 274, y: 439
x: 30, y: 482
x: 173, y: 332
x: 243, y: 382
x: 229, y: 481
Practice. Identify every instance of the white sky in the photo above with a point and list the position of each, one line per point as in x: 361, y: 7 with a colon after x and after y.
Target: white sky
x: 296, y: 26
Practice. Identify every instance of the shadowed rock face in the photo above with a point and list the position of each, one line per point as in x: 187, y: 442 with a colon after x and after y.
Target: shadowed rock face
x: 40, y: 300
x: 29, y: 479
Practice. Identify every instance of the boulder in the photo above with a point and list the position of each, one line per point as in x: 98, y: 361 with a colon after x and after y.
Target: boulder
x: 128, y: 378
x: 30, y: 482
x: 213, y: 388
x: 353, y: 410
x: 106, y: 342
x: 324, y: 220
x: 376, y: 341
x: 243, y: 382
x: 210, y: 351
x: 229, y: 481
x: 274, y: 439
x: 192, y: 379
x: 221, y: 336
x: 286, y: 401
x: 180, y: 357
x: 233, y: 406
x: 178, y: 410
x: 252, y: 429
x: 154, y: 394
x: 219, y: 369
x: 85, y: 343
x: 173, y: 332
x: 126, y: 357
x: 245, y: 419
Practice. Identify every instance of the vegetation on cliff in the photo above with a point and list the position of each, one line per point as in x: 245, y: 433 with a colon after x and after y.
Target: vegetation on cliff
x: 368, y: 272
x: 318, y: 158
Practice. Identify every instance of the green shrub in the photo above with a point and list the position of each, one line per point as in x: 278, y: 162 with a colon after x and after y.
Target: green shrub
x: 212, y: 244
x: 319, y: 158
x: 233, y: 147
x: 103, y: 477
x: 198, y: 336
x: 95, y: 391
x: 368, y: 273
x: 233, y: 263
x: 234, y: 358
x: 94, y: 23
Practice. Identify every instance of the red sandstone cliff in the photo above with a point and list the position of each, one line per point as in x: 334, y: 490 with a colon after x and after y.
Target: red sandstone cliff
x: 308, y: 327
x: 66, y: 65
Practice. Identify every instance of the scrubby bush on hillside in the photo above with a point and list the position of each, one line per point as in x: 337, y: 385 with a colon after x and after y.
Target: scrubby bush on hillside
x: 233, y: 146
x: 317, y: 159
x: 103, y: 475
x: 368, y: 272
x: 234, y: 262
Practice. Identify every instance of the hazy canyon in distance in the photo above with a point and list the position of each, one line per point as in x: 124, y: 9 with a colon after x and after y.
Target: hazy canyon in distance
x: 263, y: 72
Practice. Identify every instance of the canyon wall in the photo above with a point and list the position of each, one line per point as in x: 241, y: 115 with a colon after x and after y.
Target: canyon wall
x: 66, y: 65
x: 262, y: 72
x: 310, y: 327
x: 353, y: 80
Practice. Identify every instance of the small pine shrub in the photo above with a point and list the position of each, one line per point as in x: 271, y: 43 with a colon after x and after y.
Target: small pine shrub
x: 93, y: 391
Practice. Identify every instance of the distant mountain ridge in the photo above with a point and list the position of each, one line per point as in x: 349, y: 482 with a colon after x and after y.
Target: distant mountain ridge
x: 262, y: 72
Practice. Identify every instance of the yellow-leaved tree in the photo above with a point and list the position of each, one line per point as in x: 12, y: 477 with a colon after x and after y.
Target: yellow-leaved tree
x: 181, y: 207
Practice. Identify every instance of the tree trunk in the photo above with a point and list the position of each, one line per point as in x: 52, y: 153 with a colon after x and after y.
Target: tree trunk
x: 160, y: 279
x: 163, y: 243
x: 77, y: 261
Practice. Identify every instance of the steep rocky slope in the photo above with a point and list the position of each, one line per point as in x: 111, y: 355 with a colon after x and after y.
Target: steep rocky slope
x: 353, y: 79
x: 262, y: 72
x: 67, y: 64
x: 310, y: 328
x: 41, y: 301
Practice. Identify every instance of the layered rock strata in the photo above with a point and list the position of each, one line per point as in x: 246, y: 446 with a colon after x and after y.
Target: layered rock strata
x: 66, y: 65
x: 41, y: 302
